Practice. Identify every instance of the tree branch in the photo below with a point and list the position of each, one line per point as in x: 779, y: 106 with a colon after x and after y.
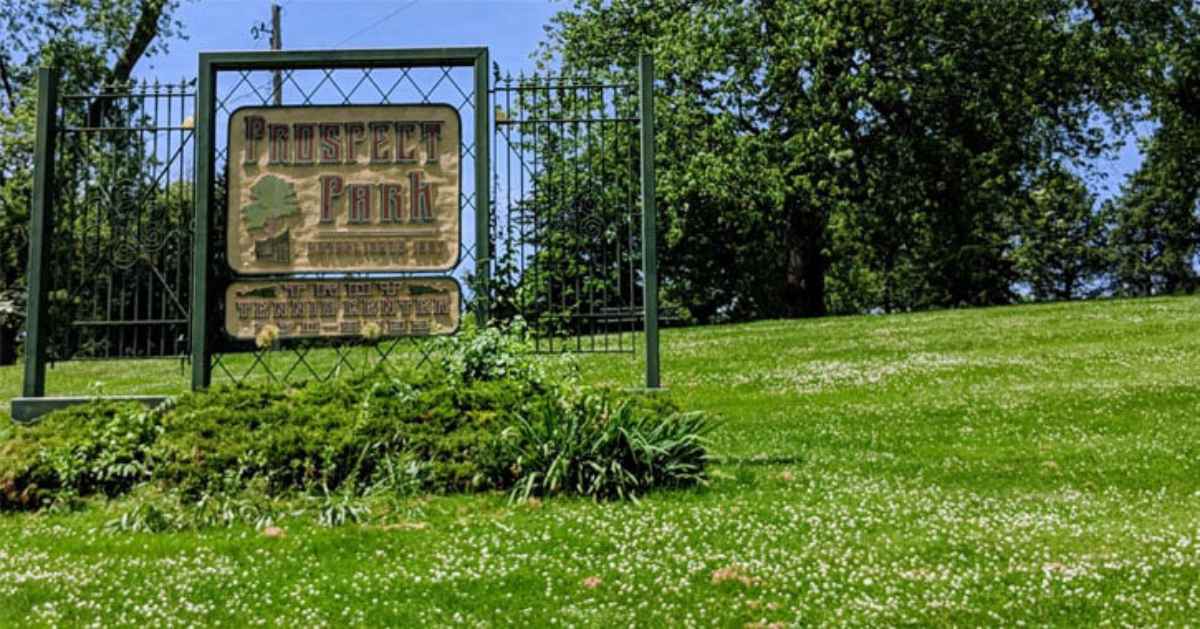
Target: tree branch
x: 1098, y: 13
x: 8, y: 88
x: 143, y: 35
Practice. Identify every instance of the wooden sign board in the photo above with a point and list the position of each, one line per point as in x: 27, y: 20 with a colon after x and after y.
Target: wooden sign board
x: 344, y: 189
x: 307, y: 308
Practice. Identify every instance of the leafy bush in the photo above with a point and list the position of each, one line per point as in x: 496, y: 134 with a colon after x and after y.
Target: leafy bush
x: 102, y: 447
x: 495, y: 353
x: 604, y: 445
x: 485, y: 417
x: 319, y: 437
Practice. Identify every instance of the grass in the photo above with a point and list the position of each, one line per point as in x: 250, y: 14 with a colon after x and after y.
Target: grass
x: 1035, y: 464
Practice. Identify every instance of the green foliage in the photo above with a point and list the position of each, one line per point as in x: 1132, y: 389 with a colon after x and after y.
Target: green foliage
x: 323, y: 437
x: 603, y: 445
x: 274, y: 199
x: 493, y: 353
x: 854, y: 156
x: 340, y: 509
x: 145, y: 517
x: 91, y: 43
x: 1060, y: 251
x: 471, y: 422
x: 1155, y: 235
x: 1155, y: 222
x: 103, y: 448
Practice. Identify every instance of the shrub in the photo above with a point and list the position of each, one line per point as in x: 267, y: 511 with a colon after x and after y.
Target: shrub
x: 101, y: 447
x: 318, y: 437
x: 484, y: 417
x: 604, y: 445
x: 495, y: 353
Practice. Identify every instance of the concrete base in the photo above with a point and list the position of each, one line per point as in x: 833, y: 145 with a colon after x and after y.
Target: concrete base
x: 27, y: 409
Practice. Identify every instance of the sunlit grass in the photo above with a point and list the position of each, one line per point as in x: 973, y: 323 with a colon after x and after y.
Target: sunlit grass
x: 1037, y: 464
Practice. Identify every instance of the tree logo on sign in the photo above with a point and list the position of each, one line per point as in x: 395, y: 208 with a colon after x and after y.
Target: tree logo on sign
x: 274, y: 199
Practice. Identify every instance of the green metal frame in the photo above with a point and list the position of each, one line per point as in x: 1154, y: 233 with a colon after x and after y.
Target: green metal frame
x: 25, y: 410
x: 212, y: 63
x: 41, y: 226
x: 649, y: 219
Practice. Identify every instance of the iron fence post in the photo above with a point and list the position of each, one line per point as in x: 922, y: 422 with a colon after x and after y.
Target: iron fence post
x: 202, y: 226
x: 41, y: 226
x: 649, y: 218
x: 483, y: 202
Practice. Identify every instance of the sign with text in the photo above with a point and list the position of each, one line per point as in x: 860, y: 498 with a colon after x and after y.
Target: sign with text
x: 343, y: 307
x: 344, y: 189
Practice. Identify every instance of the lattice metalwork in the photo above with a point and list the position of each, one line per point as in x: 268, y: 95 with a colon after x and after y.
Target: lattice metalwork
x: 314, y: 359
x: 127, y: 226
x: 568, y: 213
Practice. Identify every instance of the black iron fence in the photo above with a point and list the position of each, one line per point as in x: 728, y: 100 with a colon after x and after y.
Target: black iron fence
x: 568, y: 211
x: 118, y: 284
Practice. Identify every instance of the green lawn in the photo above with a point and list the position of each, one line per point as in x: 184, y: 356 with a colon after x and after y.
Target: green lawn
x: 1035, y: 464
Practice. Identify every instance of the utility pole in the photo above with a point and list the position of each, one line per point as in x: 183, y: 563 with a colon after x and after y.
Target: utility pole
x: 277, y: 44
x: 276, y: 31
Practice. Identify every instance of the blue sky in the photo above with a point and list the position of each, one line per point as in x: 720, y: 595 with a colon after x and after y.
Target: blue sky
x: 511, y: 29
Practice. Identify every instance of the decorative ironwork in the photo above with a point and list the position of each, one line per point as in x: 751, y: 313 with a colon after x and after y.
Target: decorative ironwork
x: 119, y: 281
x: 568, y: 249
x: 125, y: 264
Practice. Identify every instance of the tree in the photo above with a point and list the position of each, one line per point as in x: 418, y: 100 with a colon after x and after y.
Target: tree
x: 93, y: 43
x: 1156, y: 221
x: 1155, y: 225
x: 887, y: 145
x: 1060, y: 251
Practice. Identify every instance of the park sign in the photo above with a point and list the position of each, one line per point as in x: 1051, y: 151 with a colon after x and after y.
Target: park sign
x: 343, y: 189
x: 343, y: 307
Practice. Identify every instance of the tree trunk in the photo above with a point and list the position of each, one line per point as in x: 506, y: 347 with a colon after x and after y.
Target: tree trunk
x: 8, y: 344
x: 804, y: 273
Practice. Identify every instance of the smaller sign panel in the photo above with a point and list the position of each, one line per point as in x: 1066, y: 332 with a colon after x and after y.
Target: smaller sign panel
x: 346, y: 188
x: 343, y: 307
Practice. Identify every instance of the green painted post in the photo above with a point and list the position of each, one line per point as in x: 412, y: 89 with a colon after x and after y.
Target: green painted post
x: 41, y: 227
x: 202, y: 225
x: 649, y: 219
x: 483, y: 190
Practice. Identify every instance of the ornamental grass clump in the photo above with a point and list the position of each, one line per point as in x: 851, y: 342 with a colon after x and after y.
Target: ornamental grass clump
x: 604, y: 445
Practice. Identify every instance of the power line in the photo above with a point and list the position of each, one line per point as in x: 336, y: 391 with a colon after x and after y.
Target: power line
x: 377, y: 22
